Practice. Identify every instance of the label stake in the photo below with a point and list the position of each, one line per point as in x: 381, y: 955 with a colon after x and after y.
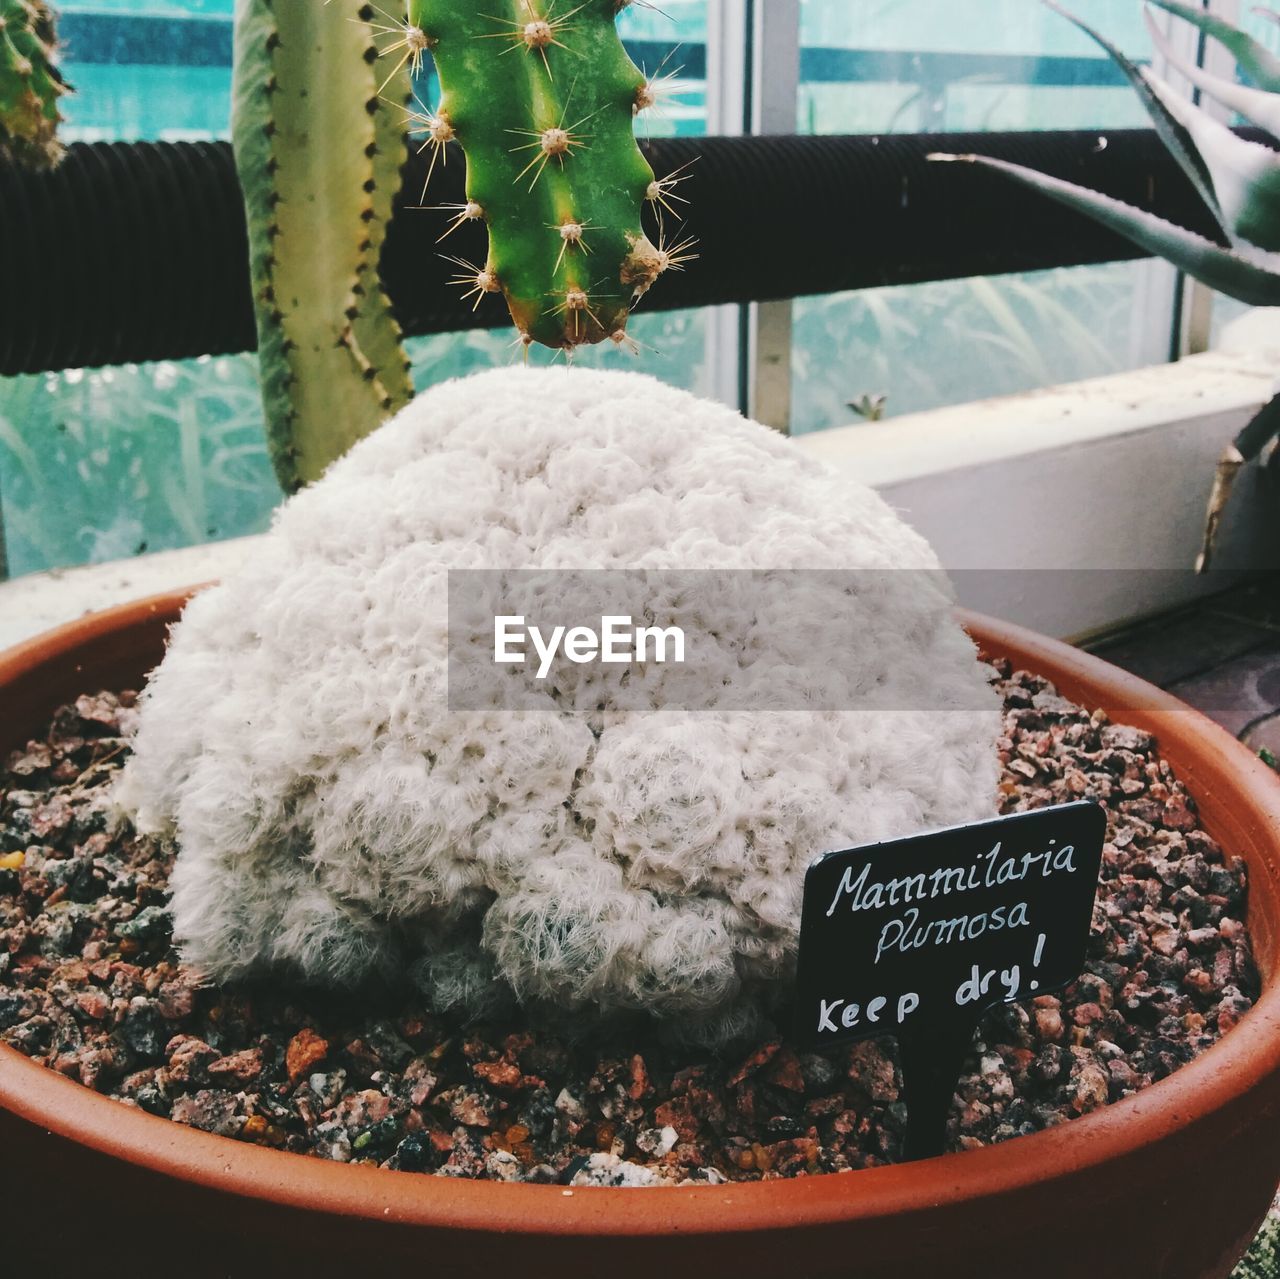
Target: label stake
x: 930, y: 1072
x: 919, y: 937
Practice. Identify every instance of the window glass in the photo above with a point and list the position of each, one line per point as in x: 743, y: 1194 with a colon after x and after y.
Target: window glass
x: 925, y: 66
x: 154, y: 69
x: 670, y: 41
x: 923, y: 346
x: 107, y: 463
x: 161, y: 69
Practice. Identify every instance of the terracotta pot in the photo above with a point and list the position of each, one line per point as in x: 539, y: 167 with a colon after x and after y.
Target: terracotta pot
x: 1172, y: 1182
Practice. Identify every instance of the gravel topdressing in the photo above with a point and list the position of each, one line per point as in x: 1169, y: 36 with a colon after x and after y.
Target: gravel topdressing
x: 91, y: 987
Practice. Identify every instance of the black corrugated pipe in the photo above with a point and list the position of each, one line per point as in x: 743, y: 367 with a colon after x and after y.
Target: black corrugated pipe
x: 137, y: 251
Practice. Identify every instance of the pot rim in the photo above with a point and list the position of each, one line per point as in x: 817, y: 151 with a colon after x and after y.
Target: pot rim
x: 1219, y: 1077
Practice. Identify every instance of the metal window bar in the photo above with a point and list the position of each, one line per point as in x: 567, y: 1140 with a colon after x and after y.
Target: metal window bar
x: 775, y: 92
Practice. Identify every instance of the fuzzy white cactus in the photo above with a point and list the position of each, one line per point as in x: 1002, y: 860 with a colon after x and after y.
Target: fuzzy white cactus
x: 334, y: 818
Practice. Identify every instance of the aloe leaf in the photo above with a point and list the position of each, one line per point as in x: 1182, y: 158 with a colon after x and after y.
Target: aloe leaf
x: 1255, y: 59
x: 1246, y: 175
x: 1173, y: 133
x: 1258, y: 105
x: 1254, y: 280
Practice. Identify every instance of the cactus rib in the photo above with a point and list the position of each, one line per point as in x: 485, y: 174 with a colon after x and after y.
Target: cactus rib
x: 542, y: 97
x: 30, y: 84
x: 319, y: 153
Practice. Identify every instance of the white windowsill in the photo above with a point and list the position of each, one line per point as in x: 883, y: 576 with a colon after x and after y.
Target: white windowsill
x: 1071, y: 415
x: 1079, y: 508
x: 39, y: 601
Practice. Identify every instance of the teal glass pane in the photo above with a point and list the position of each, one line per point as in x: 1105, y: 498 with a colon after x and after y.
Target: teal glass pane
x: 668, y: 44
x: 671, y: 346
x: 924, y: 66
x: 161, y: 69
x: 909, y: 66
x: 104, y: 464
x: 928, y: 345
x: 147, y: 69
x: 669, y: 41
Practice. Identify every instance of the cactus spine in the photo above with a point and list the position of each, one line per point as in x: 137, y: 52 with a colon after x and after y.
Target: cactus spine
x: 319, y: 144
x: 542, y: 97
x: 30, y: 85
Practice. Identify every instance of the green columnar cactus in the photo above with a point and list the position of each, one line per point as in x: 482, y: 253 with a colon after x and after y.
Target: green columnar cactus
x: 1238, y: 180
x: 542, y: 97
x: 30, y: 85
x: 319, y: 142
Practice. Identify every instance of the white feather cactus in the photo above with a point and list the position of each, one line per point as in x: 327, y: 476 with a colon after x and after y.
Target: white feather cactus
x: 335, y: 818
x: 1238, y: 180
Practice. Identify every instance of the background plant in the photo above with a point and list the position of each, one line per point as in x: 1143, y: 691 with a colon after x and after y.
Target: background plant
x: 1238, y: 180
x: 103, y: 464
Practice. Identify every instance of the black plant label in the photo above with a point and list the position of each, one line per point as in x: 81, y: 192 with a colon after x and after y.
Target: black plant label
x: 918, y: 937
